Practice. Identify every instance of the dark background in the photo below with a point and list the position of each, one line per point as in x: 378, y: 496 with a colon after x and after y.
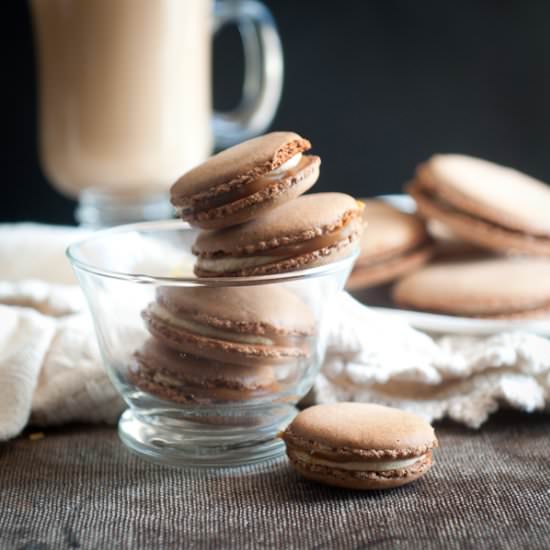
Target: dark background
x: 377, y: 86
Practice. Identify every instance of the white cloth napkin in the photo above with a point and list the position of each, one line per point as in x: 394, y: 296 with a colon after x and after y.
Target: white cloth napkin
x: 50, y: 368
x: 51, y: 372
x: 377, y: 358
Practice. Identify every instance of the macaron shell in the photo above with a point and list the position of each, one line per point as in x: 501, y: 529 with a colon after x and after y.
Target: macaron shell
x: 476, y: 230
x: 365, y: 275
x: 496, y: 193
x: 360, y: 430
x: 492, y: 288
x: 243, y: 162
x: 275, y: 194
x: 389, y: 232
x: 304, y: 218
x: 248, y: 309
x: 362, y: 480
x: 316, y: 258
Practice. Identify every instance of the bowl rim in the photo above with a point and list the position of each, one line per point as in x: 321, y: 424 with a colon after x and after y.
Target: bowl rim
x: 177, y: 225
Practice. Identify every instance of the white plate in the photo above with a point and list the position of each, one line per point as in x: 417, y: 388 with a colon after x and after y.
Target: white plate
x: 431, y: 322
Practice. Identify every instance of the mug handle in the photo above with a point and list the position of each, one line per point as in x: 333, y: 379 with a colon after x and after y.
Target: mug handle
x: 263, y: 71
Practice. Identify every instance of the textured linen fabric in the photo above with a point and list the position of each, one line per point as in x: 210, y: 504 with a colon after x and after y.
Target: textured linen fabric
x: 81, y: 488
x: 50, y: 367
x: 37, y: 251
x: 24, y: 341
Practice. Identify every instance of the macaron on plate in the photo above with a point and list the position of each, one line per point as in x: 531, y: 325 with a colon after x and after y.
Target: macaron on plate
x: 487, y: 204
x: 440, y: 320
x: 394, y: 243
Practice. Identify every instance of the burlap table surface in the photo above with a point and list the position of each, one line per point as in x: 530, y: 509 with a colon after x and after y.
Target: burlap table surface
x: 80, y: 488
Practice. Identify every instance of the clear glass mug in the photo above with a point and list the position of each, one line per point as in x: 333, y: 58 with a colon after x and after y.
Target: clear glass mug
x: 125, y: 96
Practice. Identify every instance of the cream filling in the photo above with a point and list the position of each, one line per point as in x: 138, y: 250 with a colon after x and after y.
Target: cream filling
x: 223, y: 265
x: 204, y: 330
x: 162, y: 378
x: 365, y: 466
x: 291, y: 163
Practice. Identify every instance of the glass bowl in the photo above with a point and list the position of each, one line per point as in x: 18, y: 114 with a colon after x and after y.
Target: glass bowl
x: 194, y: 408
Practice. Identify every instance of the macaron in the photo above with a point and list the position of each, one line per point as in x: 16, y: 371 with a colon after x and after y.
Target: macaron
x: 183, y: 378
x: 240, y: 325
x: 393, y: 243
x: 309, y: 231
x: 449, y: 246
x: 246, y: 181
x: 497, y: 288
x: 490, y: 205
x: 359, y: 445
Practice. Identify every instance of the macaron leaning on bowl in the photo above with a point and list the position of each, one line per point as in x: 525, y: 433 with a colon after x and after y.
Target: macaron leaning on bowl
x: 359, y: 445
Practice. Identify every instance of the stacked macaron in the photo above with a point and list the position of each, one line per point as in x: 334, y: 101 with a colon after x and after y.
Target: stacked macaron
x: 245, y: 181
x: 217, y: 344
x: 502, y: 217
x: 213, y: 344
x: 495, y: 207
x: 247, y: 202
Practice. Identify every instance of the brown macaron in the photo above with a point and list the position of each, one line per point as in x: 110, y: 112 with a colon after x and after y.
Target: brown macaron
x: 489, y: 205
x: 246, y: 181
x: 359, y: 445
x: 241, y: 325
x: 496, y: 288
x: 309, y: 231
x: 183, y: 378
x: 450, y: 246
x: 394, y: 243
